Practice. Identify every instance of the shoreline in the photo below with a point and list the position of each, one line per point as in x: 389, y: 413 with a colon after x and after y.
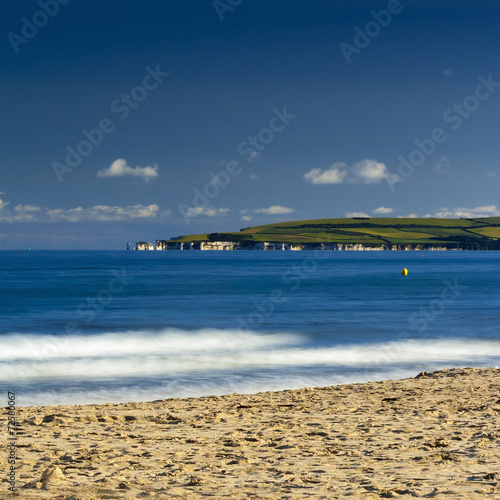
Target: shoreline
x: 163, y: 245
x: 433, y: 435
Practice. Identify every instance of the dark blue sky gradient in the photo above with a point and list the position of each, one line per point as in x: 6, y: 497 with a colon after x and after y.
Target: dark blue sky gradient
x: 225, y: 79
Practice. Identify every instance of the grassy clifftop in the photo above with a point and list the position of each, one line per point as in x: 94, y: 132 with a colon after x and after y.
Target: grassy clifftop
x: 482, y: 233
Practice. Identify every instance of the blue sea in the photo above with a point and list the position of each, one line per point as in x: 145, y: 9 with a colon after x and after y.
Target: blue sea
x: 115, y: 326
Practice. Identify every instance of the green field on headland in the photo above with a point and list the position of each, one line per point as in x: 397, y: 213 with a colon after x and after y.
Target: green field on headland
x: 469, y: 234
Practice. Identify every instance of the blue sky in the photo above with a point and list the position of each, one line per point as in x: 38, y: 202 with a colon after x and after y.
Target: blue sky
x: 129, y: 121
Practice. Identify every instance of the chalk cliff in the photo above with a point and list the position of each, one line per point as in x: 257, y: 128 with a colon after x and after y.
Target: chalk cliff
x: 270, y: 245
x: 144, y: 245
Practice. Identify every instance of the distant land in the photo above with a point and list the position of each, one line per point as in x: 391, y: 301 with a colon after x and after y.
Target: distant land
x: 357, y: 233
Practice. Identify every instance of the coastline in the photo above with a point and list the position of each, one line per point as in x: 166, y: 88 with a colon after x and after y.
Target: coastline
x: 350, y: 233
x: 434, y: 435
x: 163, y: 245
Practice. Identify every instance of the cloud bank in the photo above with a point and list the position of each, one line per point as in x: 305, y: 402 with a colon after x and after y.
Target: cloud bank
x: 443, y: 213
x: 99, y: 213
x: 469, y: 213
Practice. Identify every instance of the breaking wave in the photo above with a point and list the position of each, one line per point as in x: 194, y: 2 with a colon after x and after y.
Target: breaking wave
x: 145, y: 365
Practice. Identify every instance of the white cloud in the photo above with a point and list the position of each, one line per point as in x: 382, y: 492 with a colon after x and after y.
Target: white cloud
x: 31, y: 213
x: 356, y: 214
x: 490, y: 174
x: 369, y: 171
x: 409, y: 216
x: 442, y: 166
x: 365, y: 171
x: 27, y: 208
x: 383, y: 210
x: 9, y: 216
x: 246, y: 217
x: 3, y: 204
x: 469, y: 213
x: 21, y: 213
x: 210, y: 212
x: 119, y: 168
x: 254, y: 177
x: 447, y: 72
x: 274, y: 210
x: 334, y: 175
x: 103, y: 213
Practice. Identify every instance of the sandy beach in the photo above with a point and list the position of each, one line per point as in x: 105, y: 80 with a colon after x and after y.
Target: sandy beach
x: 432, y: 436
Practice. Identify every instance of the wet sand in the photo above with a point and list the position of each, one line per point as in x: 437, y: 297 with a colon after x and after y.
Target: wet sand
x: 433, y: 436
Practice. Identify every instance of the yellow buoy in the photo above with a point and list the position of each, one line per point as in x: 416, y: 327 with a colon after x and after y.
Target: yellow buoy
x: 404, y: 272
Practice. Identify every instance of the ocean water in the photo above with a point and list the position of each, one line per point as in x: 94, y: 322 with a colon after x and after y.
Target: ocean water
x: 110, y: 326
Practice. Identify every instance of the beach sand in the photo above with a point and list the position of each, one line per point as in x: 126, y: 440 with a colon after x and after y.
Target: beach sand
x: 433, y: 436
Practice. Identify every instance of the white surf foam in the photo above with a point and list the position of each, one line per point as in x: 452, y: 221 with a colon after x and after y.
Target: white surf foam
x: 142, y: 343
x: 174, y: 353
